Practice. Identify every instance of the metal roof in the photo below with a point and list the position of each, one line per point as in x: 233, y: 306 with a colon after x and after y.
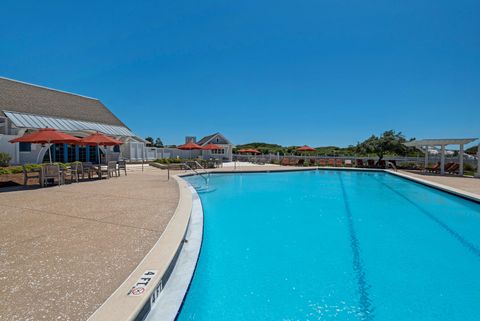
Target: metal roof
x: 36, y: 121
x: 440, y: 142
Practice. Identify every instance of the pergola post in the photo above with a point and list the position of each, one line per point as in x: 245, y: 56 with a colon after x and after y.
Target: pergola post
x: 478, y: 161
x: 442, y: 160
x: 460, y: 160
x: 426, y: 158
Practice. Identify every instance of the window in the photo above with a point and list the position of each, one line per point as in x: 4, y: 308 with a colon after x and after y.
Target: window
x: 25, y: 147
x: 218, y: 151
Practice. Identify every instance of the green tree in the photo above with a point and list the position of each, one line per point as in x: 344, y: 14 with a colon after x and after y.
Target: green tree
x: 149, y: 139
x: 158, y: 142
x: 390, y: 142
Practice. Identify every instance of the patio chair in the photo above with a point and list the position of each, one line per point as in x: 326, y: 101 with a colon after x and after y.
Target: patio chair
x: 122, y: 165
x: 312, y: 161
x: 331, y: 162
x: 73, y: 171
x: 359, y: 163
x: 285, y: 162
x: 300, y: 162
x: 51, y: 172
x: 87, y: 167
x: 338, y: 162
x: 348, y: 163
x: 35, y: 174
x: 322, y: 162
x: 112, y: 169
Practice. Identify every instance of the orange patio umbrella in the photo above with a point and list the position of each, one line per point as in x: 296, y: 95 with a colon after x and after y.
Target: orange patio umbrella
x: 98, y: 139
x: 47, y: 136
x: 249, y: 151
x: 211, y: 146
x: 190, y: 146
x: 306, y: 148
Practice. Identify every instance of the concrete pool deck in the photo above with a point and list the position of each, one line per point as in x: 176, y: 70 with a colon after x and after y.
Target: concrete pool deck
x: 65, y: 250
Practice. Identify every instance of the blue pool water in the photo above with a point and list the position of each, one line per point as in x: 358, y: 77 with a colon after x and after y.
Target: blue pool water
x: 334, y: 245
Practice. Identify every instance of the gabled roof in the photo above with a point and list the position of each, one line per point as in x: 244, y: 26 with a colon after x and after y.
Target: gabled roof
x: 205, y: 140
x: 20, y: 97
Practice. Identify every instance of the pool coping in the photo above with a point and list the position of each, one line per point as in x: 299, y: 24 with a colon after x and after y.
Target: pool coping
x: 165, y: 254
x: 170, y: 300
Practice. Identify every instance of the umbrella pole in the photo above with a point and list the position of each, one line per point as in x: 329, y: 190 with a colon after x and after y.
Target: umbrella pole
x: 98, y: 154
x: 50, y: 152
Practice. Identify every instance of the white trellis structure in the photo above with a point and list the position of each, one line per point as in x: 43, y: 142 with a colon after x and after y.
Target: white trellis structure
x: 424, y: 144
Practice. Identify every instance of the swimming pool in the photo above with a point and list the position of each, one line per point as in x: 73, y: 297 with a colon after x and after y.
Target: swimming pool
x: 334, y: 245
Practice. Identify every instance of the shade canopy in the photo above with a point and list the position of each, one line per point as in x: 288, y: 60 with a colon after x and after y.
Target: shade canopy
x: 249, y: 151
x: 439, y: 142
x: 189, y: 146
x: 100, y: 139
x: 306, y: 148
x: 47, y: 136
x: 211, y: 146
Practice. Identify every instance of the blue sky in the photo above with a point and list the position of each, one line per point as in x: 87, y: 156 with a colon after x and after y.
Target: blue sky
x: 324, y: 72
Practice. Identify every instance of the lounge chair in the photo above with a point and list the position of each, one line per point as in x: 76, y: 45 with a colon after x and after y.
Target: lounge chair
x: 331, y: 162
x: 35, y: 174
x: 312, y: 161
x: 359, y: 163
x: 448, y: 165
x: 300, y: 162
x: 433, y: 169
x: 51, y: 172
x: 322, y: 162
x: 453, y: 168
x: 371, y: 163
x: 348, y: 163
x: 339, y: 162
x: 285, y: 162
x: 381, y: 164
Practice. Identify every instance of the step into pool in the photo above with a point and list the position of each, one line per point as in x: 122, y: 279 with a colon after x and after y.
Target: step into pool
x: 334, y: 245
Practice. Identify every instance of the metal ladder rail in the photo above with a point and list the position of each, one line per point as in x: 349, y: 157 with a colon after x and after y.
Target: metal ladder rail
x: 197, y: 172
x: 391, y: 164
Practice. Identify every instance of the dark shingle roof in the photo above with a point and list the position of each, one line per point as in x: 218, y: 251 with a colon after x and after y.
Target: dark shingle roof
x: 206, y: 139
x: 31, y: 99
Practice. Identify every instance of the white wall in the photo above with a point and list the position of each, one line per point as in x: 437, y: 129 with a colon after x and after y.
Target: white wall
x: 10, y: 149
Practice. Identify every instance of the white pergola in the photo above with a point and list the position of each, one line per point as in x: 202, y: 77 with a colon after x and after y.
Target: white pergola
x: 423, y: 145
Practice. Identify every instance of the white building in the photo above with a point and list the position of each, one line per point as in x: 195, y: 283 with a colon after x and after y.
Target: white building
x: 25, y: 107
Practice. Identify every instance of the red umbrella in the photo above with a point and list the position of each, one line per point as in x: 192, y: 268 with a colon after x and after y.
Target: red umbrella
x: 47, y: 136
x: 189, y: 146
x: 306, y: 148
x: 249, y: 151
x: 211, y: 147
x: 98, y: 139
